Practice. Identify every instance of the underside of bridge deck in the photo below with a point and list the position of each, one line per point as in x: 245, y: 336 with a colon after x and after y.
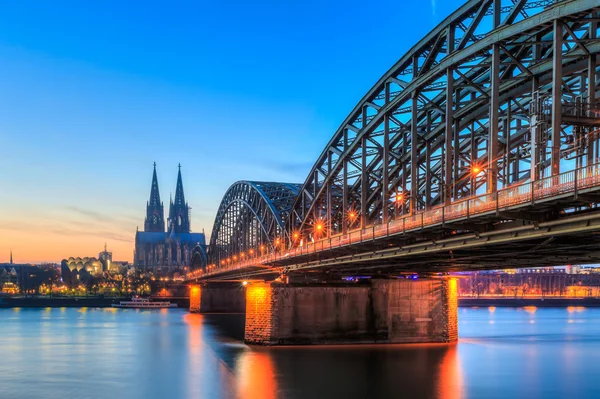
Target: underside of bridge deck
x: 372, y: 311
x: 478, y: 149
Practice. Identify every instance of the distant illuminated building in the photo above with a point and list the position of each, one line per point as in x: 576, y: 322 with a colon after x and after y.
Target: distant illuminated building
x: 91, y: 265
x: 177, y: 247
x: 573, y: 269
x: 8, y: 276
x: 106, y: 258
x: 10, y: 288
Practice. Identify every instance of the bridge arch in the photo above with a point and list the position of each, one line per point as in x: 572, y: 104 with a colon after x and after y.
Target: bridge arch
x: 473, y: 107
x: 251, y: 217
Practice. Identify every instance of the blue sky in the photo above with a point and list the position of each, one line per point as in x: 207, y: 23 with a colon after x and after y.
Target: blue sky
x: 92, y: 93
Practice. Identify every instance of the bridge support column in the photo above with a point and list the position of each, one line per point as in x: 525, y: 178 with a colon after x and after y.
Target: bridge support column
x: 195, y: 298
x: 384, y: 311
x: 217, y: 298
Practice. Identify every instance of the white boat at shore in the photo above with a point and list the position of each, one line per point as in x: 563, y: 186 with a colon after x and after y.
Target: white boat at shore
x: 144, y: 303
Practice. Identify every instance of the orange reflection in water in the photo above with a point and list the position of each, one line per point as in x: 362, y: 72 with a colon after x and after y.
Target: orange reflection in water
x: 451, y: 385
x: 530, y: 309
x: 256, y: 376
x: 194, y: 322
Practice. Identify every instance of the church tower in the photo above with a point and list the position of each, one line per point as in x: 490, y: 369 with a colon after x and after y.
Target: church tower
x: 155, y: 219
x: 179, y: 212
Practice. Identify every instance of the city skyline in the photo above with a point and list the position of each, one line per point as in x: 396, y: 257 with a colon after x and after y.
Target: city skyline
x: 300, y: 199
x: 90, y: 112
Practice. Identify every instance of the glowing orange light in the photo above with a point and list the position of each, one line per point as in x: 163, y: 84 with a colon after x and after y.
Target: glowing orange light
x: 195, y: 298
x: 296, y: 236
x: 242, y: 255
x: 476, y: 169
x: 234, y: 257
x: 245, y: 283
x: 399, y: 197
x: 277, y: 241
x: 530, y: 309
x: 250, y: 251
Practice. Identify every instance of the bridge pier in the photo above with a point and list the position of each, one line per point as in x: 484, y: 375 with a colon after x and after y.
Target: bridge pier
x: 384, y: 311
x: 217, y: 298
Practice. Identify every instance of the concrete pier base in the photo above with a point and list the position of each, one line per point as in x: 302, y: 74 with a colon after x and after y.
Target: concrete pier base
x: 385, y: 311
x: 218, y: 298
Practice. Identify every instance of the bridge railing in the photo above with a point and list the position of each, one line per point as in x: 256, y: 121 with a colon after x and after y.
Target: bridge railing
x: 526, y: 193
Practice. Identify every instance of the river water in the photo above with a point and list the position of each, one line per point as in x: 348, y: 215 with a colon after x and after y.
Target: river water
x: 110, y: 353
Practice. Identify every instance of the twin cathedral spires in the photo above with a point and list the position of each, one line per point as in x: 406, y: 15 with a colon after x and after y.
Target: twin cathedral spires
x: 179, y: 211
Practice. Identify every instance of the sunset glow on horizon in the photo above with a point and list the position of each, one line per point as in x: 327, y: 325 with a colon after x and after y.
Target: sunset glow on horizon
x: 85, y: 117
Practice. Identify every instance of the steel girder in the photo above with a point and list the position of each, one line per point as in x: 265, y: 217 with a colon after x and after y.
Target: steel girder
x: 500, y: 90
x: 251, y: 216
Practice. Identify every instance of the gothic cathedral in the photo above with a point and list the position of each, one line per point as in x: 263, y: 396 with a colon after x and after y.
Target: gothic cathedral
x: 175, y: 248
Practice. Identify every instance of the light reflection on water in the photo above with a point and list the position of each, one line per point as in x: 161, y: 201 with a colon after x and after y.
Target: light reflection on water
x: 100, y: 353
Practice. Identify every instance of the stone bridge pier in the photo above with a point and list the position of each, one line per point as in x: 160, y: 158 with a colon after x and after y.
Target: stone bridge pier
x: 217, y: 298
x: 379, y: 311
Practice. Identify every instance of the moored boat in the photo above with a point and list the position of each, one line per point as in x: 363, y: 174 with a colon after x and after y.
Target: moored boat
x: 144, y: 303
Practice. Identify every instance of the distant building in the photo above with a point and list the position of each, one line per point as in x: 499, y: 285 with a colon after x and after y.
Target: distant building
x: 26, y: 277
x: 9, y: 277
x: 91, y: 265
x: 106, y: 258
x: 72, y: 268
x: 177, y: 247
x: 573, y: 269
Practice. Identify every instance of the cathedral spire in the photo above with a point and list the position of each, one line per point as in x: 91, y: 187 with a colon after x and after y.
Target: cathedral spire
x: 155, y: 221
x: 154, y: 193
x: 179, y: 209
x: 179, y: 197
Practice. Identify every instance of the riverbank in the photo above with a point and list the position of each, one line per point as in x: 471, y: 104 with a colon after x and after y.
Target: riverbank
x: 182, y: 302
x: 75, y: 302
x: 520, y: 302
x: 58, y: 302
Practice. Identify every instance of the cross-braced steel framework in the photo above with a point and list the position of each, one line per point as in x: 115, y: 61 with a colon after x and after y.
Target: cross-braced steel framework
x: 496, y: 107
x: 251, y: 217
x: 500, y: 92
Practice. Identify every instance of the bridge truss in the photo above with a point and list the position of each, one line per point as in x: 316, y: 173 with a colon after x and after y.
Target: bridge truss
x: 498, y: 93
x: 251, y: 218
x: 488, y: 127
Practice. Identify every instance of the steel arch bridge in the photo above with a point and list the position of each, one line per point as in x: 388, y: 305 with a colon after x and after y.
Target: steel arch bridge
x: 495, y: 109
x: 484, y: 101
x: 251, y: 218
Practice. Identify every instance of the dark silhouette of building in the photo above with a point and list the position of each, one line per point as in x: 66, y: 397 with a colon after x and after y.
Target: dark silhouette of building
x: 178, y: 246
x: 179, y: 211
x: 155, y: 221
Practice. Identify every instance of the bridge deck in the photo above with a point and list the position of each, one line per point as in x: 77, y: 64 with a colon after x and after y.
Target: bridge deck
x: 566, y: 190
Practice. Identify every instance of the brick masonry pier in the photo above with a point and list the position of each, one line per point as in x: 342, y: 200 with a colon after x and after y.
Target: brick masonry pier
x: 384, y: 311
x: 218, y: 298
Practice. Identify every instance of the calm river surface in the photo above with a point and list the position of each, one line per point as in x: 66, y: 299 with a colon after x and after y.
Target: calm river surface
x: 109, y: 353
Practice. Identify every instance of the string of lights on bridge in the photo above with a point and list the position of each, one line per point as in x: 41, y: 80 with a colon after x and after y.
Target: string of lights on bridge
x: 521, y: 193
